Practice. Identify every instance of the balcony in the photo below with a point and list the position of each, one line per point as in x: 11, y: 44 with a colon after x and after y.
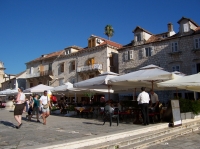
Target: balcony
x: 90, y: 67
x: 40, y: 74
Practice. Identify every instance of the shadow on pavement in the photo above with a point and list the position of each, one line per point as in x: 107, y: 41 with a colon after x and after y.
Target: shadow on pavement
x: 92, y: 123
x: 9, y: 124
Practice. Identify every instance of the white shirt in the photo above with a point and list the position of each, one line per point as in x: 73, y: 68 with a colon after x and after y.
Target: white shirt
x: 143, y: 98
x: 154, y: 98
x: 44, y: 99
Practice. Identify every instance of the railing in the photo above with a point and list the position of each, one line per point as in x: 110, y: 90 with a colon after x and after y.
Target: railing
x: 90, y: 67
x: 39, y: 74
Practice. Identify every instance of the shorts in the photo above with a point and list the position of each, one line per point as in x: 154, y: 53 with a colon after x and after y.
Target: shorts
x: 19, y: 109
x: 45, y: 110
x: 35, y: 110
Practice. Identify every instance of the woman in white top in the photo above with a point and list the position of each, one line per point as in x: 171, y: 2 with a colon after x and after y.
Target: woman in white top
x: 44, y: 100
x: 19, y: 107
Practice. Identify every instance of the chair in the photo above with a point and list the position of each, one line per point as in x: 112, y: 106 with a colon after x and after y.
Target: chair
x: 110, y: 113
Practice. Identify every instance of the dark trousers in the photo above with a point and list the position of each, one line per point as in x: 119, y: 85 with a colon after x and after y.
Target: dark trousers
x: 145, y: 112
x: 157, y: 110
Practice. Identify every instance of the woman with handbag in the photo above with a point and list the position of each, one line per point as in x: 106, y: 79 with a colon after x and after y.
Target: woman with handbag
x: 19, y: 107
x: 45, y: 105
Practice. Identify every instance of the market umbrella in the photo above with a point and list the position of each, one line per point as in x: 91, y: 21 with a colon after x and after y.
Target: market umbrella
x: 147, y: 76
x: 62, y: 88
x: 98, y: 82
x: 38, y: 89
x: 190, y: 82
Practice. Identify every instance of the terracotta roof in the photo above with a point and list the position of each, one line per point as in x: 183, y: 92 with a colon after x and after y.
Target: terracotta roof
x: 187, y: 19
x: 112, y: 43
x: 50, y: 55
x: 197, y: 30
x: 138, y: 27
x: 156, y: 37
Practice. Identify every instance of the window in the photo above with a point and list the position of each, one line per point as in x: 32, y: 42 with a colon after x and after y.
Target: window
x: 148, y: 51
x: 197, y: 43
x: 31, y: 70
x: 131, y: 54
x: 174, y: 47
x: 62, y: 67
x: 73, y: 65
x: 176, y: 68
x: 128, y: 55
x: 91, y: 61
x: 72, y: 80
x: 50, y: 66
x: 138, y: 37
x: 61, y: 81
x: 185, y: 27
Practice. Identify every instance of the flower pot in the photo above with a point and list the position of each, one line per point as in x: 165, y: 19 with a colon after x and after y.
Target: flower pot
x: 183, y: 116
x: 188, y: 115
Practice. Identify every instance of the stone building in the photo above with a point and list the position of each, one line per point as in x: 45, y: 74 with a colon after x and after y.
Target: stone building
x: 14, y: 82
x: 169, y: 50
x: 2, y: 73
x: 74, y: 64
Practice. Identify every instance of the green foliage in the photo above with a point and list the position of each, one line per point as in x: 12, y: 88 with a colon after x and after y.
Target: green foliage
x: 187, y: 105
x: 109, y: 31
x: 54, y: 108
x: 90, y: 94
x: 70, y: 108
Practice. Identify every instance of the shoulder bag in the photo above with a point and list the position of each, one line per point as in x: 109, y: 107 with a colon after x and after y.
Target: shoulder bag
x: 47, y: 105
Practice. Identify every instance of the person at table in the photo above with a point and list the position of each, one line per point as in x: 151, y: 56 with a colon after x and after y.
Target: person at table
x: 154, y: 103
x: 143, y: 100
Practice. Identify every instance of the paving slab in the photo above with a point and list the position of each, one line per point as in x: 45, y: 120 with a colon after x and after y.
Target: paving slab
x: 58, y: 129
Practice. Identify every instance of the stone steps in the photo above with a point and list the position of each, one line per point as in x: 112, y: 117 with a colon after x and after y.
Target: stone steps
x: 144, y: 140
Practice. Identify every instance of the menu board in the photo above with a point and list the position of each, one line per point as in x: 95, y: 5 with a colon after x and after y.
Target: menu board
x: 176, y: 113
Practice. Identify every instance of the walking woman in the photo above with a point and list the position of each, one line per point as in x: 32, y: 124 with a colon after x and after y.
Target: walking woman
x: 19, y: 107
x: 45, y: 104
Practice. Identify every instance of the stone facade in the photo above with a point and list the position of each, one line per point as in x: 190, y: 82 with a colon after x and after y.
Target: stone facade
x: 74, y: 64
x: 179, y: 52
x: 2, y: 73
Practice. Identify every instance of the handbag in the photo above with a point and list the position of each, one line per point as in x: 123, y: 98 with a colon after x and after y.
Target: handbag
x: 47, y: 105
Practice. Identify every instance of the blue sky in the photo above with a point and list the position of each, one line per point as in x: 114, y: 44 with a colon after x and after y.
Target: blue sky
x: 30, y: 28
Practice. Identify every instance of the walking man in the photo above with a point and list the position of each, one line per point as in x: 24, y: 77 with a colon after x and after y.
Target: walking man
x: 143, y: 99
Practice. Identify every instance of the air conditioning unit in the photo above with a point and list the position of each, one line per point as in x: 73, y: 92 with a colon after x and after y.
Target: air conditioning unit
x: 98, y: 41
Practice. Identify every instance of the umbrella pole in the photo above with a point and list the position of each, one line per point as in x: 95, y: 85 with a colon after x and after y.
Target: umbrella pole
x: 195, y: 96
x: 134, y: 94
x: 152, y: 85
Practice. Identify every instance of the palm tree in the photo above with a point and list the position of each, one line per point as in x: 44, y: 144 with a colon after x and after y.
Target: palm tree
x: 109, y: 31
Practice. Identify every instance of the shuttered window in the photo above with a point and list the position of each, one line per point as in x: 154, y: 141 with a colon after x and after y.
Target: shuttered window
x: 174, y: 46
x: 131, y: 54
x: 126, y: 56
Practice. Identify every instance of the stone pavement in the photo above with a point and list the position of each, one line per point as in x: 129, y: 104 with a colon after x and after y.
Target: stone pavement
x: 188, y: 141
x: 58, y: 128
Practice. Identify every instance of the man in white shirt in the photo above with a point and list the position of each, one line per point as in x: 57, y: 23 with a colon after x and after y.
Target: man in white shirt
x: 143, y: 100
x: 154, y: 102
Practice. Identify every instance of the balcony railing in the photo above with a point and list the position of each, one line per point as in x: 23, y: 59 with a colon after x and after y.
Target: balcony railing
x: 39, y: 74
x: 90, y: 67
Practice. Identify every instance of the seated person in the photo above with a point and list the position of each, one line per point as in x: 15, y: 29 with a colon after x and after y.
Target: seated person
x: 154, y: 105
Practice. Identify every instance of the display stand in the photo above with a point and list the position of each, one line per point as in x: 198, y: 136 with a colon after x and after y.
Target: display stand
x: 176, y: 115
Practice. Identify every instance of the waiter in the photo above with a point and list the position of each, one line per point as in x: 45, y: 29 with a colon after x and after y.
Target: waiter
x: 143, y: 100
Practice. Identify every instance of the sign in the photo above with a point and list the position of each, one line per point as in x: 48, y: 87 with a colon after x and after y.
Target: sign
x: 176, y: 115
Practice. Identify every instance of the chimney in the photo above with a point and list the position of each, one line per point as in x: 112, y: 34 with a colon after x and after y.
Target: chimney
x: 170, y: 27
